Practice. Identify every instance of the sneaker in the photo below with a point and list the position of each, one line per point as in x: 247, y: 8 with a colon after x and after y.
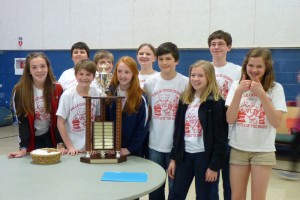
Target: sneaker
x: 292, y: 176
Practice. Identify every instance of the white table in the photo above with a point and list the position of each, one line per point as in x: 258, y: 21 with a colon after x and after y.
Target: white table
x: 71, y: 179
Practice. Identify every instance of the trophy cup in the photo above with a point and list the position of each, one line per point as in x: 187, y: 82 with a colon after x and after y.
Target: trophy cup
x: 103, y: 135
x: 103, y: 79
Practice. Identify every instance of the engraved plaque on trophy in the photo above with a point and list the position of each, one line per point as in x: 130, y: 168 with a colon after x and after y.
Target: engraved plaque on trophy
x: 103, y: 135
x: 104, y: 78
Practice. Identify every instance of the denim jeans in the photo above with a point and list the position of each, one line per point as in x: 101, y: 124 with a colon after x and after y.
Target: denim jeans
x: 225, y: 178
x: 163, y: 159
x: 43, y: 141
x: 193, y: 165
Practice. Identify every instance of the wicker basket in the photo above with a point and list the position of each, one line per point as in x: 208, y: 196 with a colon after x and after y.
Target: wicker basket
x: 46, y: 159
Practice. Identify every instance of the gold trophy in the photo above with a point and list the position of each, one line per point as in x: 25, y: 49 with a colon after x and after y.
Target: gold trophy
x: 104, y: 79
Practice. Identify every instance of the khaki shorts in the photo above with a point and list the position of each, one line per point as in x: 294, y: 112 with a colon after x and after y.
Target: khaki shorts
x: 252, y: 158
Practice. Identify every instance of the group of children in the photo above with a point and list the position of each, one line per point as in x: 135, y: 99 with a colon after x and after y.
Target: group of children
x: 179, y: 122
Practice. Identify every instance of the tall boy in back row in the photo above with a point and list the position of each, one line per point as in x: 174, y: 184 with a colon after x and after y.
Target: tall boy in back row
x: 163, y: 90
x: 219, y: 43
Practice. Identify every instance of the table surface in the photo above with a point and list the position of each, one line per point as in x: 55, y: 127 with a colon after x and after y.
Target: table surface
x: 72, y: 179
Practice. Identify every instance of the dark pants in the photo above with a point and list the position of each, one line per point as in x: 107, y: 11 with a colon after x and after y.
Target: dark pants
x: 43, y: 141
x: 146, y: 147
x: 163, y: 159
x: 295, y: 151
x: 193, y: 165
x: 225, y: 178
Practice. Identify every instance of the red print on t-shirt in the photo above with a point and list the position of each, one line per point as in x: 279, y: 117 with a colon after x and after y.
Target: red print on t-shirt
x: 78, y: 121
x: 251, y: 115
x: 192, y: 124
x: 40, y: 110
x: 165, y: 104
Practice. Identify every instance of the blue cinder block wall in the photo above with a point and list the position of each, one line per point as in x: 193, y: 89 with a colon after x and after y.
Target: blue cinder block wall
x: 286, y: 64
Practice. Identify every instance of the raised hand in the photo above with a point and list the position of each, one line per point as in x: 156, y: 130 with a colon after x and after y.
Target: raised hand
x: 256, y: 87
x: 244, y: 84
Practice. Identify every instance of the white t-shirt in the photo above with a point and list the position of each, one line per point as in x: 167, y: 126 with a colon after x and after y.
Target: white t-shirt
x: 68, y: 80
x: 163, y: 98
x: 193, y: 130
x: 72, y: 109
x: 252, y: 130
x: 143, y: 78
x: 226, y: 75
x: 42, y: 119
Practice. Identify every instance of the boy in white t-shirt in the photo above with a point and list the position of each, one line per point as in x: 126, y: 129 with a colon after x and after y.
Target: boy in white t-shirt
x: 79, y: 51
x: 163, y: 91
x: 219, y: 43
x: 103, y: 57
x: 71, y: 116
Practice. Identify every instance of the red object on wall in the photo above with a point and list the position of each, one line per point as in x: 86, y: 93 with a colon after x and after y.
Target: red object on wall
x: 20, y: 42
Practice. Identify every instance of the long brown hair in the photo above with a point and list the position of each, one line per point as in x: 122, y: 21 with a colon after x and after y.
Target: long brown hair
x: 268, y: 78
x: 212, y: 86
x: 134, y: 92
x: 24, y: 88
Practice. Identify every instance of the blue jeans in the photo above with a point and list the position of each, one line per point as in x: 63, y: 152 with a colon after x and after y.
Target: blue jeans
x: 193, y: 165
x: 163, y: 159
x: 225, y: 177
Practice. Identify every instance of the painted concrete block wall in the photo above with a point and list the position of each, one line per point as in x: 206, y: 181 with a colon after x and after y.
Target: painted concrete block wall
x: 286, y: 65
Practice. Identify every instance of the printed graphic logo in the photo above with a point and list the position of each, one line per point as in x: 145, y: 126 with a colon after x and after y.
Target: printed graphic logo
x: 79, y: 117
x: 78, y: 122
x: 224, y: 83
x: 251, y: 114
x: 165, y: 104
x: 40, y: 110
x: 193, y: 127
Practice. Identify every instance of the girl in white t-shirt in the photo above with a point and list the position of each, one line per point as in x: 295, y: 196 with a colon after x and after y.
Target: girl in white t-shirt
x: 146, y: 57
x: 35, y: 101
x: 256, y: 104
x: 200, y: 135
x: 71, y: 116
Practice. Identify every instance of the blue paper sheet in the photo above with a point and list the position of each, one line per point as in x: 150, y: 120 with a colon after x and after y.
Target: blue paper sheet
x: 125, y: 176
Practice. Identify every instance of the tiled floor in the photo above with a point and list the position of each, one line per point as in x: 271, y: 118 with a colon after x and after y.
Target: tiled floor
x: 279, y: 189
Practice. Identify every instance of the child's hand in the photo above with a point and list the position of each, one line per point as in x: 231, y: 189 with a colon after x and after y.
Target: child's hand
x: 171, y: 169
x: 244, y: 85
x: 210, y: 175
x: 62, y: 149
x: 18, y: 154
x: 72, y: 151
x: 256, y: 86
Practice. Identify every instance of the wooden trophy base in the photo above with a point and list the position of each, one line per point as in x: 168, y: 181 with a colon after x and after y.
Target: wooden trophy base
x: 108, y: 159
